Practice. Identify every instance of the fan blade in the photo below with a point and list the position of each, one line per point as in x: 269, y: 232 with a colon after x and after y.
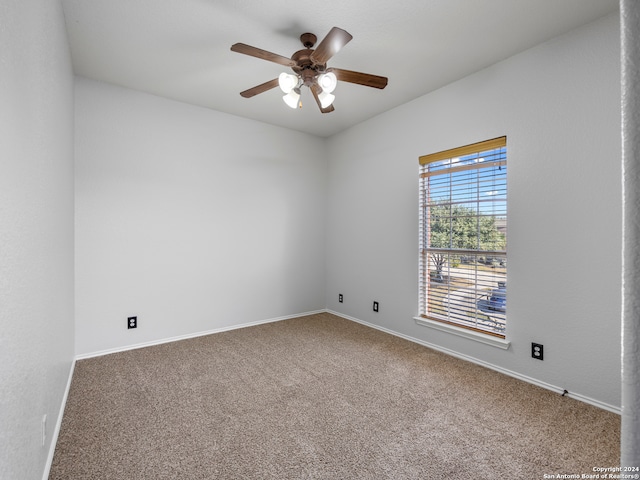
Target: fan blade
x: 263, y: 87
x: 330, y: 45
x: 263, y: 54
x: 315, y: 89
x: 365, y: 79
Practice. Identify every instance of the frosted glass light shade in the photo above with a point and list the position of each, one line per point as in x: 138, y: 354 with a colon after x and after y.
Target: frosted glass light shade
x: 328, y: 82
x: 326, y: 99
x: 287, y: 82
x: 292, y: 99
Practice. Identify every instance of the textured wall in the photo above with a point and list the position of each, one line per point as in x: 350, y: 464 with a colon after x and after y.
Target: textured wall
x: 559, y: 105
x: 630, y: 21
x: 36, y: 230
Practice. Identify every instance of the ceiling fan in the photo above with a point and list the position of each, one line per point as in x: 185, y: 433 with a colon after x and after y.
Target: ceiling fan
x: 310, y: 69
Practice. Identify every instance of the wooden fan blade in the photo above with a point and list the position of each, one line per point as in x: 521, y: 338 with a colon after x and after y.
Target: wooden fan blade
x: 263, y: 87
x: 263, y: 54
x: 330, y: 45
x: 315, y: 89
x: 365, y: 79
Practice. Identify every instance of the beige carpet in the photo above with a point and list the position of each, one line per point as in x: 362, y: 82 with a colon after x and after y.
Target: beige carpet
x: 318, y: 397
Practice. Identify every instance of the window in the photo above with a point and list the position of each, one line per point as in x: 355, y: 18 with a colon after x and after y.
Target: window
x: 463, y: 237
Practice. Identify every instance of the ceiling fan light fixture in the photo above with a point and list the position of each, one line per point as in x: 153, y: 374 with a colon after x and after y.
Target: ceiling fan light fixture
x: 310, y: 69
x: 287, y: 82
x: 292, y: 99
x: 328, y: 82
x: 326, y: 99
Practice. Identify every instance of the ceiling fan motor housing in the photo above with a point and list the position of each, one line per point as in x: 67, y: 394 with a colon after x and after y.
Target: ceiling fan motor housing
x: 308, y: 39
x: 306, y: 67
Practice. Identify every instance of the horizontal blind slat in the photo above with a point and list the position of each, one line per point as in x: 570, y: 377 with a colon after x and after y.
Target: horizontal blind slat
x: 463, y: 168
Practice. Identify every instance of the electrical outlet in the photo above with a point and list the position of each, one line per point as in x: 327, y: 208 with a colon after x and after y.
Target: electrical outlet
x: 376, y: 306
x: 132, y: 322
x: 537, y: 351
x: 340, y: 298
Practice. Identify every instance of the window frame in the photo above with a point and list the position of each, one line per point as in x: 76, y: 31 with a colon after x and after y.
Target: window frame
x: 486, y: 335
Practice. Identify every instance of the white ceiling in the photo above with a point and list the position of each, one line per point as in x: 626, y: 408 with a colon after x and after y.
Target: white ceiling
x: 180, y: 49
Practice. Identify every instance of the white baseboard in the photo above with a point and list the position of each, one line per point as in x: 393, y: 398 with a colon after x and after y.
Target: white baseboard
x: 525, y: 378
x: 56, y: 430
x: 192, y: 335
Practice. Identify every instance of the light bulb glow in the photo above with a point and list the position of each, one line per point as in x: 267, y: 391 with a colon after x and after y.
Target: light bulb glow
x: 328, y: 82
x: 287, y: 82
x: 326, y: 99
x: 292, y: 99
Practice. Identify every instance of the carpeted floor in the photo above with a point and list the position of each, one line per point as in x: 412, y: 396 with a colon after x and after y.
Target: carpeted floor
x: 318, y: 397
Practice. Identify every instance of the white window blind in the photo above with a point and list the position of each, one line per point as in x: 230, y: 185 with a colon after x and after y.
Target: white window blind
x: 463, y: 236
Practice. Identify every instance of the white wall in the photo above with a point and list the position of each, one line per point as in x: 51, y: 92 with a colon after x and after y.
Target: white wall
x: 559, y: 105
x: 191, y: 219
x: 36, y: 231
x: 196, y: 220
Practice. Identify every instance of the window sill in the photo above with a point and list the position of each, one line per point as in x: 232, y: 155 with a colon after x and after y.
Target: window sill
x: 463, y: 332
